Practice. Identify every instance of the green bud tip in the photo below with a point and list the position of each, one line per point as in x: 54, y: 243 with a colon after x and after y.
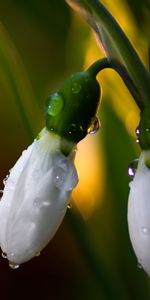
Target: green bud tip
x: 70, y: 111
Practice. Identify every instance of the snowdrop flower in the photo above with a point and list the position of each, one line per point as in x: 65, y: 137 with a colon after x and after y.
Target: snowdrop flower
x: 37, y: 190
x: 139, y: 211
x: 35, y: 198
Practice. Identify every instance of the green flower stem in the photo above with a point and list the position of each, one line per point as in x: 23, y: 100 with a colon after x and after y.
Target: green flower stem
x: 104, y: 63
x: 115, y: 43
x: 130, y: 58
x: 104, y: 281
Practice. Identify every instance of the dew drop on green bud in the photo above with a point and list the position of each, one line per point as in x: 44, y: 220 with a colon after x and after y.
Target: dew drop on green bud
x: 95, y: 125
x: 132, y: 168
x: 76, y: 88
x: 55, y: 104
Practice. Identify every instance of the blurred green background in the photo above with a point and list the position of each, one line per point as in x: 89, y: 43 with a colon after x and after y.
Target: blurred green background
x: 41, y: 44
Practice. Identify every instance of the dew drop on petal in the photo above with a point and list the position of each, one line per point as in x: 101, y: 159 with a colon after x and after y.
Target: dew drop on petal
x: 59, y: 177
x: 5, y: 179
x: 94, y: 127
x: 65, y: 175
x: 69, y: 206
x: 145, y: 230
x: 37, y: 254
x: 4, y: 255
x: 13, y: 265
x: 139, y: 266
x: 132, y: 168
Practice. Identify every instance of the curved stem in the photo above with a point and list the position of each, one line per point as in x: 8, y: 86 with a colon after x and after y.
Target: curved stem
x: 115, y: 43
x: 104, y: 63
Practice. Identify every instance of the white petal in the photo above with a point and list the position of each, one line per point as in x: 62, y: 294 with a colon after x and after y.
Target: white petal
x: 32, y: 211
x: 139, y: 213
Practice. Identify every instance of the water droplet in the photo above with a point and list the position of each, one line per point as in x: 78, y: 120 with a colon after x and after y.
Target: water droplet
x: 69, y: 206
x: 59, y: 176
x: 139, y: 266
x: 4, y: 255
x: 65, y: 175
x: 137, y: 141
x: 95, y: 125
x: 39, y: 203
x: 137, y: 131
x: 145, y: 230
x: 38, y: 254
x: 13, y: 265
x: 132, y: 168
x: 76, y: 88
x: 55, y: 104
x: 5, y: 179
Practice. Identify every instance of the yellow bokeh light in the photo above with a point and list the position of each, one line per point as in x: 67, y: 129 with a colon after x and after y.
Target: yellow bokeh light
x: 88, y: 194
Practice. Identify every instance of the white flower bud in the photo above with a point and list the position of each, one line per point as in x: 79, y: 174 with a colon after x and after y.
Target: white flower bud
x: 139, y: 212
x: 35, y: 198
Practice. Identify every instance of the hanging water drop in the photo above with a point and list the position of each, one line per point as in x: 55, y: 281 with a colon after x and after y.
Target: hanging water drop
x: 95, y: 125
x: 132, y: 168
x: 13, y: 265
